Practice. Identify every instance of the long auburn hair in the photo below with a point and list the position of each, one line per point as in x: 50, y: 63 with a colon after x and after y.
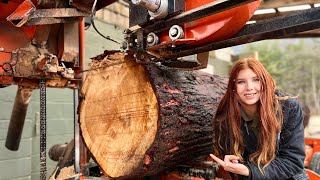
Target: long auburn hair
x: 227, y: 123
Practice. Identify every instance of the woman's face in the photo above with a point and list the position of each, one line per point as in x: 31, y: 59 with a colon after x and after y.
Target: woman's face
x: 248, y: 87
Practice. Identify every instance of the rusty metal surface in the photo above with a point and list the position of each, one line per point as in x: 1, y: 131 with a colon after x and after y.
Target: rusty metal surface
x: 70, y: 55
x: 20, y: 16
x: 41, y: 36
x: 6, y: 74
x: 63, y: 83
x: 69, y: 47
x: 27, y: 51
x: 6, y: 69
x: 53, y: 3
x: 5, y: 81
x: 45, y: 16
x: 53, y: 83
x: 28, y: 63
x: 24, y: 62
x: 42, y: 21
x: 12, y: 38
x: 58, y: 13
x: 55, y: 16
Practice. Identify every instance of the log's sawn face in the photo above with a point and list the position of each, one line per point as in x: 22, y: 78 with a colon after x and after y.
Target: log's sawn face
x: 141, y: 119
x: 118, y: 117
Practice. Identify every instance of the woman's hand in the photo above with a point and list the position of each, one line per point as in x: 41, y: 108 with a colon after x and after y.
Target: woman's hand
x: 231, y: 164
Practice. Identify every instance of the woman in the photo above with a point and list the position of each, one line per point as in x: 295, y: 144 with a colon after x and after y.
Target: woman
x: 258, y: 131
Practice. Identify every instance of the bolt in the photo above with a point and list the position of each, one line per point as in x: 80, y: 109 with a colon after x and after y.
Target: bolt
x: 173, y: 31
x: 150, y: 38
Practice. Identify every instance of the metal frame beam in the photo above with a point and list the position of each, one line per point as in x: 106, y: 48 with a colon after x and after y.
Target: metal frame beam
x: 278, y: 27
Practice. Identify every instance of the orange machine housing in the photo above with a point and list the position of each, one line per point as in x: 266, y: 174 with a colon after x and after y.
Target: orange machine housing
x: 212, y: 28
x: 11, y: 38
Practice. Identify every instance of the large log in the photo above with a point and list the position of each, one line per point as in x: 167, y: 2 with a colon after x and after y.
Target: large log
x: 139, y: 119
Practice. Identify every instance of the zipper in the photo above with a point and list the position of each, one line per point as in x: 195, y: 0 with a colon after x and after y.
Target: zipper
x: 246, y: 126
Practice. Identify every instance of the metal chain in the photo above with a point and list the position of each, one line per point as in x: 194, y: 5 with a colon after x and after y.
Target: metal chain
x: 43, y: 127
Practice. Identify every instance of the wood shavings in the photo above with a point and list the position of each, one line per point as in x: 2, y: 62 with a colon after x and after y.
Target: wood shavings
x: 65, y: 173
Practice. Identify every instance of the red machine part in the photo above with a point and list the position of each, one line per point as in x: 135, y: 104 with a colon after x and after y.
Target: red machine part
x: 312, y: 175
x: 312, y: 146
x: 19, y: 40
x: 215, y: 27
x: 11, y: 38
x: 20, y: 15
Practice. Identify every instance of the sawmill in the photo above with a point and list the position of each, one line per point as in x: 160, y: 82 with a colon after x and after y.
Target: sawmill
x: 144, y: 111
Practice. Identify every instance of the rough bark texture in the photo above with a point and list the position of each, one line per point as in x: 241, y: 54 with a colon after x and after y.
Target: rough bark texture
x: 141, y: 119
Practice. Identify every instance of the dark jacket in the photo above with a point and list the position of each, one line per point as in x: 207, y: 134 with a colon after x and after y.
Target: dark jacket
x: 289, y: 161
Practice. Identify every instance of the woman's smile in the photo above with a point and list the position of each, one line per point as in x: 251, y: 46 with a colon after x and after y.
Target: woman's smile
x: 248, y: 87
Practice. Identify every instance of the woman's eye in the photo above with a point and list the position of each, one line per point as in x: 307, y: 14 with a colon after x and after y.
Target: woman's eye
x: 240, y: 82
x: 256, y: 80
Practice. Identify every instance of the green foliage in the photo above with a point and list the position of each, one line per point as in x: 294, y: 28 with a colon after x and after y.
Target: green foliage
x: 271, y: 57
x: 294, y: 66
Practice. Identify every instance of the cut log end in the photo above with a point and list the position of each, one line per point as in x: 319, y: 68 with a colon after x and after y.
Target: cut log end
x: 119, y: 116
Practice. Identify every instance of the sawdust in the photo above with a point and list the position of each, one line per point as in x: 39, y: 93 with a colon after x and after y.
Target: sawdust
x: 106, y: 59
x: 65, y: 173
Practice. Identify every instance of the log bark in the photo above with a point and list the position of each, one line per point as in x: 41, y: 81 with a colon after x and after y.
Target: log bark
x: 139, y: 119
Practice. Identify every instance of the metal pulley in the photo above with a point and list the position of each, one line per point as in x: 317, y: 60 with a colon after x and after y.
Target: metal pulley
x: 176, y: 32
x: 157, y: 9
x: 152, y: 39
